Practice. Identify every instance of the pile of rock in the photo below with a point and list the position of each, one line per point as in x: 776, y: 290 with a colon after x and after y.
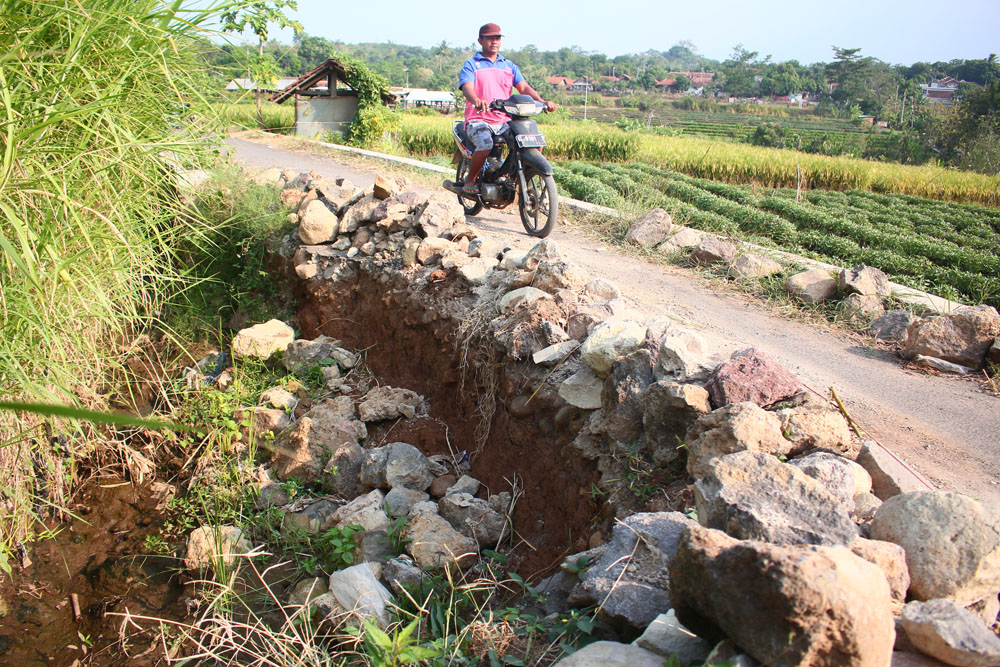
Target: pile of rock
x: 791, y: 558
x: 958, y: 342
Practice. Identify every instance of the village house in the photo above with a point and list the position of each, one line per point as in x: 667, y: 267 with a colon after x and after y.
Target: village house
x: 942, y: 90
x: 563, y: 82
x: 245, y: 85
x: 324, y: 102
x: 698, y: 80
x: 411, y: 98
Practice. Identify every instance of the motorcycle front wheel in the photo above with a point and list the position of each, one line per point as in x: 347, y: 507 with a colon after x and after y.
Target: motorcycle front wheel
x: 538, y: 203
x: 471, y: 207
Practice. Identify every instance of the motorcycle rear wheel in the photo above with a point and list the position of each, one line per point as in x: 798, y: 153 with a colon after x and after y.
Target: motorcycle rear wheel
x: 538, y: 203
x: 471, y: 207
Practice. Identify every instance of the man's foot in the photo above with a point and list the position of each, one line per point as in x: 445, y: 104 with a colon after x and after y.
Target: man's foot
x: 468, y: 189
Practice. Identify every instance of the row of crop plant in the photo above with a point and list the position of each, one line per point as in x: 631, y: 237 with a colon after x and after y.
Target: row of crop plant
x: 950, y: 249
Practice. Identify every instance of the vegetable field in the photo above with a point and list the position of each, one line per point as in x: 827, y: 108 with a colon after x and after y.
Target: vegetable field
x: 946, y: 248
x: 726, y: 161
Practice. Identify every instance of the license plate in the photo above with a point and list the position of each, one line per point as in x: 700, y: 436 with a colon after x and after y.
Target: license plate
x: 530, y: 140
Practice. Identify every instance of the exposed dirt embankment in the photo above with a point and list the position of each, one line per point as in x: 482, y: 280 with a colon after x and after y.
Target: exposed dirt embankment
x: 414, y: 334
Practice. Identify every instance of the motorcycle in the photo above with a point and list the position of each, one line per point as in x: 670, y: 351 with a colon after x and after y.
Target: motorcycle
x: 515, y: 168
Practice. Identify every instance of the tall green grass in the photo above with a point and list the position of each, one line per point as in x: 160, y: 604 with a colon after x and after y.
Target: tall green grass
x: 96, y: 100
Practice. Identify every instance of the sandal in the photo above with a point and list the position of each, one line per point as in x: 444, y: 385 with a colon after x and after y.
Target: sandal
x: 470, y: 189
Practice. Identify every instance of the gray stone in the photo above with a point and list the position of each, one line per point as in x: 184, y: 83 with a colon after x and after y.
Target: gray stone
x: 432, y: 249
x: 993, y: 356
x: 865, y: 281
x: 713, y: 250
x: 842, y: 477
x: 215, y: 548
x: 307, y: 590
x: 630, y: 578
x: 910, y: 659
x: 810, y: 422
x: 754, y: 496
x: 783, y: 605
x: 474, y: 517
x: 553, y: 354
x: 301, y: 356
x: 666, y: 636
x: 477, y: 270
x: 681, y: 355
x: 343, y: 470
x: 610, y: 340
x: 861, y: 307
x: 390, y: 403
x: 367, y: 511
x: 279, y: 397
x: 554, y: 275
x: 464, y: 484
x: 624, y: 395
x: 520, y: 297
x: 584, y: 317
x: 338, y: 194
x: 400, y: 572
x: 890, y: 476
x: 751, y: 375
x: 396, y: 464
x: 600, y: 290
x: 952, y: 544
x: 963, y: 336
x: 865, y: 506
x: 611, y: 654
x: 733, y: 428
x: 313, y: 518
x: 686, y: 237
x: 583, y: 389
x: 433, y: 543
x: 262, y: 340
x: 749, y: 265
x: 951, y: 634
x: 670, y: 410
x: 650, y: 229
x: 400, y: 500
x: 891, y: 559
x: 728, y: 652
x: 317, y: 223
x: 893, y: 325
x: 811, y: 286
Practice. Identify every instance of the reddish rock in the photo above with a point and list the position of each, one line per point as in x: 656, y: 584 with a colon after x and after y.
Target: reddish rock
x: 751, y: 375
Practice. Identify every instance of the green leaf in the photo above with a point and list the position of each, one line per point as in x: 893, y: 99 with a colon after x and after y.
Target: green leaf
x: 95, y: 416
x: 375, y: 634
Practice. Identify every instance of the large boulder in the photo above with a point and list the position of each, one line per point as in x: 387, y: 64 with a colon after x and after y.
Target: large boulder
x: 785, y: 606
x: 485, y: 521
x: 891, y: 559
x: 952, y: 544
x: 669, y: 410
x: 951, y: 634
x: 962, y: 337
x: 624, y: 395
x: 610, y: 340
x: 650, y: 229
x: 262, y: 340
x: 441, y: 213
x: 754, y: 496
x: 751, y: 375
x: 810, y: 422
x: 750, y: 265
x: 681, y: 355
x: 843, y: 478
x: 583, y: 389
x: 812, y: 286
x: 611, y: 654
x: 892, y: 326
x: 629, y: 580
x: 396, y: 464
x: 317, y: 223
x: 865, y: 281
x: 713, y: 250
x: 216, y: 548
x: 890, y: 476
x: 733, y: 428
x: 433, y: 542
x: 389, y: 403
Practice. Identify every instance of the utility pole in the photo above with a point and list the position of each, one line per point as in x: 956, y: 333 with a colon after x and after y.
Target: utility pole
x: 586, y: 89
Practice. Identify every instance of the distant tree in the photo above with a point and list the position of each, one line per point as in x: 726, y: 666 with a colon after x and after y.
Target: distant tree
x: 784, y: 78
x: 257, y: 16
x: 847, y: 71
x: 681, y: 83
x: 312, y: 51
x: 739, y: 70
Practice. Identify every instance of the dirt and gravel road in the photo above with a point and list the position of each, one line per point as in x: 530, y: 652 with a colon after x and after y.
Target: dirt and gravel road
x: 948, y: 429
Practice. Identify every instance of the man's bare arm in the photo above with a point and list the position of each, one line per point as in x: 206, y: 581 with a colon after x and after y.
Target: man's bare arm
x: 525, y: 89
x: 469, y: 90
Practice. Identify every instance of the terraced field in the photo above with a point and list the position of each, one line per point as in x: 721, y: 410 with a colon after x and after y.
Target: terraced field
x: 946, y: 248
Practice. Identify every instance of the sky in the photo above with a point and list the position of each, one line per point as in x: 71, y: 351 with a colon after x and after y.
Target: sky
x: 895, y: 31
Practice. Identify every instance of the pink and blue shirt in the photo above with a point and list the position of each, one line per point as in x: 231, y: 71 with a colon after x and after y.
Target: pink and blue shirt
x: 492, y: 80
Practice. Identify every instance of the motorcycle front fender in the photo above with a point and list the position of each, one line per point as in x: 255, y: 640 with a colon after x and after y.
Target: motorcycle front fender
x: 531, y: 157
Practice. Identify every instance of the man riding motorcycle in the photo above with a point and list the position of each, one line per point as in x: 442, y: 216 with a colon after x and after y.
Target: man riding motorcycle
x: 485, y: 77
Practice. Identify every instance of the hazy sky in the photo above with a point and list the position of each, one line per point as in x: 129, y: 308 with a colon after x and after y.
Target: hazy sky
x: 895, y: 31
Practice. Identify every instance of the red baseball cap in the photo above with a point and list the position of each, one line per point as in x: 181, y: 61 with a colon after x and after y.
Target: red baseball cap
x: 489, y: 30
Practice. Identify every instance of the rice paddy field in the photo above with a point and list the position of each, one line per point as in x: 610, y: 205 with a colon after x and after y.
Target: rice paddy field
x: 947, y: 248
